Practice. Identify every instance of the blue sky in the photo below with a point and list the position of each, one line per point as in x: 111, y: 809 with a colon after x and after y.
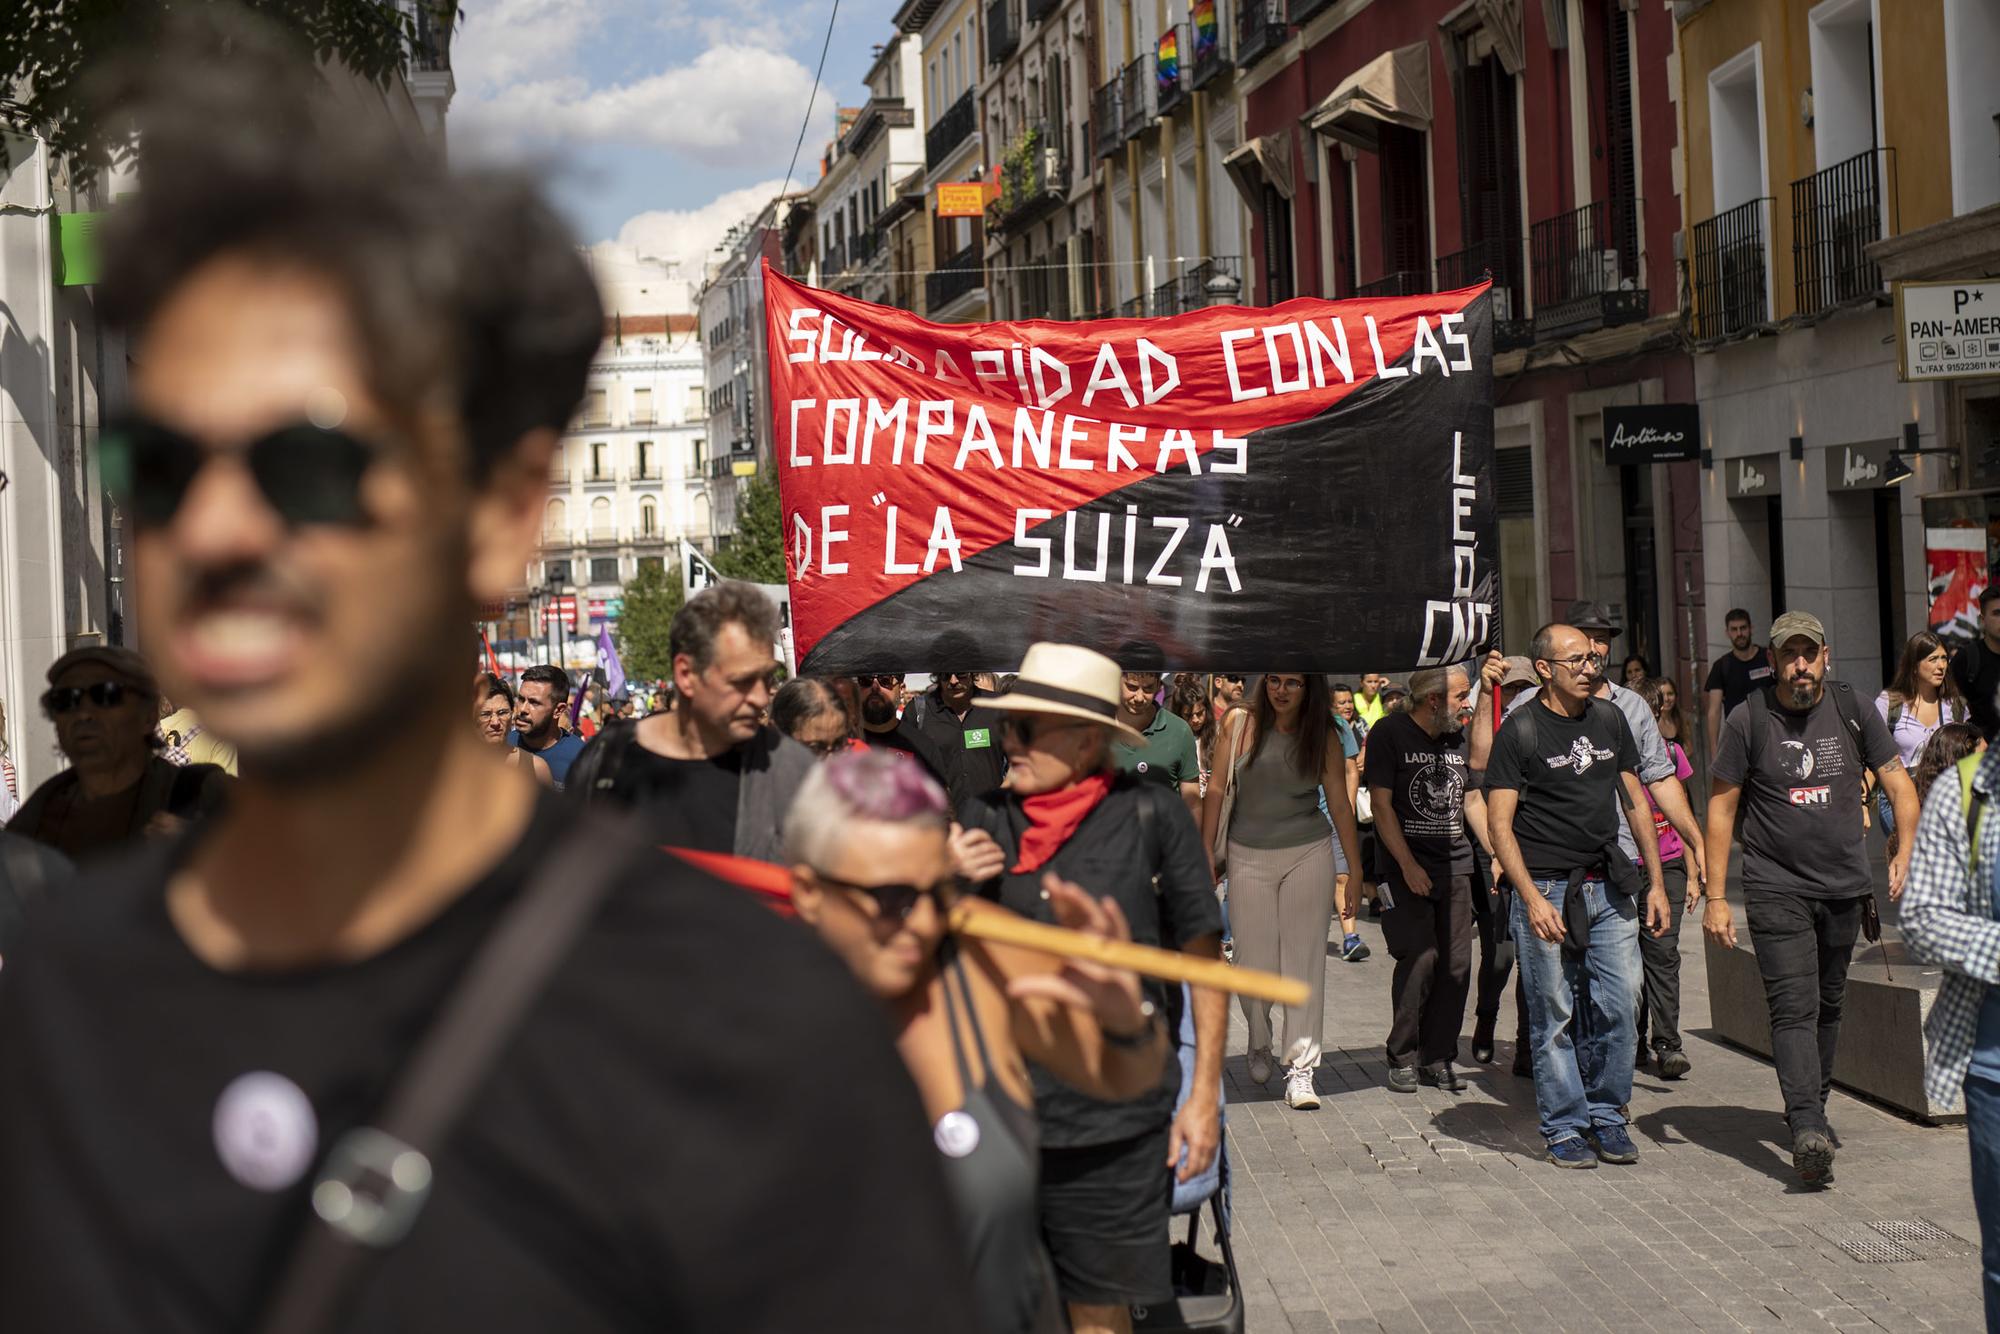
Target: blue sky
x: 664, y: 121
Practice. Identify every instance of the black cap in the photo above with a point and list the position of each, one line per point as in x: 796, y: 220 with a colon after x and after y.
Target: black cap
x: 1594, y: 618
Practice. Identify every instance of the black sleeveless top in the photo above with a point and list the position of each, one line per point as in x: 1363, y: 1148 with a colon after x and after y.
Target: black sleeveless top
x: 992, y: 1168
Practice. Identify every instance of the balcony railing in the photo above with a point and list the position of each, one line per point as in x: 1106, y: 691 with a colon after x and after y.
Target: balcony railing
x: 1133, y: 309
x: 1260, y: 29
x: 1108, y: 118
x: 1170, y: 80
x: 1403, y: 282
x: 1727, y: 258
x: 1033, y: 178
x: 431, y: 53
x: 1167, y: 298
x: 1041, y: 9
x: 962, y: 273
x: 1204, y: 63
x: 602, y: 534
x: 1836, y: 215
x: 1135, y: 96
x: 1194, y: 282
x: 1586, y: 268
x: 953, y: 128
x: 1003, y: 30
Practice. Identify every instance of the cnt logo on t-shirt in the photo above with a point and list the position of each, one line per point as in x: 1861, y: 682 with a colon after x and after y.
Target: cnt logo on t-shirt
x: 1580, y: 756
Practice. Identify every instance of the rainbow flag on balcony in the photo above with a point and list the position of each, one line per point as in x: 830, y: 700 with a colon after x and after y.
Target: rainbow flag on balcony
x: 1202, y: 17
x: 1167, y: 60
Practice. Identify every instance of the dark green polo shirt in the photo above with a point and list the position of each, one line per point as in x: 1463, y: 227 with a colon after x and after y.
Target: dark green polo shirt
x: 1167, y: 757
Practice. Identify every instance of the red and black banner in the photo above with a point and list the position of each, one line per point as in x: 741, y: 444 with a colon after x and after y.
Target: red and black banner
x: 1302, y: 487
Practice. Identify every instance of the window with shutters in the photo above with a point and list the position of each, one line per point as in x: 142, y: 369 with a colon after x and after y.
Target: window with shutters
x: 1514, y: 483
x: 603, y: 569
x: 1405, y: 205
x: 1489, y: 180
x: 1621, y: 163
x: 1277, y: 223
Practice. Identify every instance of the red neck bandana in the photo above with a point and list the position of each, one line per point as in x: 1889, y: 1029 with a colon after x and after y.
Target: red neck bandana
x: 1054, y: 816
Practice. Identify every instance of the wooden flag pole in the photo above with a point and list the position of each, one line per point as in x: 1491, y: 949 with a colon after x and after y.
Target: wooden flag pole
x: 1167, y: 965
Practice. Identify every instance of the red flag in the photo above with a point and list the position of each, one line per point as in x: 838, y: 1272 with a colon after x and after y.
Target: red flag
x: 492, y: 662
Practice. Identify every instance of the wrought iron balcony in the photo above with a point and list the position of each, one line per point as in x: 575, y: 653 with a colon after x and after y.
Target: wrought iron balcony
x: 1167, y: 298
x: 1033, y: 179
x: 1209, y: 55
x: 1134, y: 309
x: 431, y: 51
x: 1194, y: 282
x: 1003, y: 30
x: 1586, y: 268
x: 1170, y: 81
x: 1727, y: 261
x: 1260, y: 29
x: 1403, y: 282
x: 953, y: 128
x: 1108, y: 118
x: 1836, y: 215
x: 1499, y: 256
x: 1135, y: 96
x: 962, y: 273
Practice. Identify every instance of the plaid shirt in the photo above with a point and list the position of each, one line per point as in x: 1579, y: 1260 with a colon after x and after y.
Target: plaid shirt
x: 1948, y: 920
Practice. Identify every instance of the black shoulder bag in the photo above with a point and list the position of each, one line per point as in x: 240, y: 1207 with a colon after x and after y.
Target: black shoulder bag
x: 373, y: 1183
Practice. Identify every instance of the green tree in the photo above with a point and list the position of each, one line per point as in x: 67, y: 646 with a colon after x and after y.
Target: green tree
x: 651, y: 600
x: 48, y: 48
x: 757, y: 552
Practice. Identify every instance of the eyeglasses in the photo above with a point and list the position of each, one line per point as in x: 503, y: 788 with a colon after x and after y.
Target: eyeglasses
x: 831, y: 746
x: 886, y: 682
x: 1593, y: 660
x: 101, y: 694
x: 308, y: 474
x: 894, y: 902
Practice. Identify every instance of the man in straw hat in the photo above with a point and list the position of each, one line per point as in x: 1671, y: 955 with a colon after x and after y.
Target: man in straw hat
x: 1106, y: 1187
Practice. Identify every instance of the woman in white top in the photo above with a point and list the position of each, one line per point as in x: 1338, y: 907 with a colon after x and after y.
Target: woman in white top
x: 1922, y: 697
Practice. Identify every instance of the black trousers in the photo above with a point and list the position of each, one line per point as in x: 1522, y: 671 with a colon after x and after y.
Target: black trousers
x: 1496, y: 946
x: 1803, y: 947
x: 1660, y: 994
x: 1430, y: 938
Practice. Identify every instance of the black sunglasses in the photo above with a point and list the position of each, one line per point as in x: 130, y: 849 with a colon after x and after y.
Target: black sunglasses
x: 895, y: 902
x: 833, y: 746
x: 1226, y: 676
x: 308, y: 474
x: 102, y: 694
x: 886, y: 681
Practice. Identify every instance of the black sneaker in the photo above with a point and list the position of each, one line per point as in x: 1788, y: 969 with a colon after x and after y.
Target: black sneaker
x: 1524, y: 1064
x: 1674, y: 1063
x: 1812, y: 1157
x: 1482, y: 1041
x: 1441, y: 1076
x: 1403, y: 1079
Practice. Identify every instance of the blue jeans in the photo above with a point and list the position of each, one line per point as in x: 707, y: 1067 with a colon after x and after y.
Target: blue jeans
x: 1982, y: 1125
x: 1581, y: 1082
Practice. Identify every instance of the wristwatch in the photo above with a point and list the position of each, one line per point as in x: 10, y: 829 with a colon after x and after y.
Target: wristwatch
x: 1149, y: 1014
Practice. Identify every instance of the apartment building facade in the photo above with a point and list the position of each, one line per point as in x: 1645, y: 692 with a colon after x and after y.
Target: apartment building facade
x: 953, y: 46
x: 1836, y: 149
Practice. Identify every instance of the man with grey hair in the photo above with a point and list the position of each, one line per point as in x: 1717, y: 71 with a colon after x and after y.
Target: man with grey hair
x: 1416, y: 770
x: 713, y: 774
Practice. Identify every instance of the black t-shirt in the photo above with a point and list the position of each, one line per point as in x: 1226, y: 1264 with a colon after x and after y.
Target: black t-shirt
x: 1425, y: 776
x: 688, y: 803
x: 967, y: 751
x: 1736, y: 678
x: 626, y: 1167
x: 1978, y: 671
x: 1801, y: 805
x: 1568, y: 812
x: 905, y: 739
x: 1110, y: 854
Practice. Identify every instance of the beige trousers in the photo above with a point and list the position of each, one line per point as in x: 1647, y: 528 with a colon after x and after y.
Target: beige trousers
x: 1280, y: 908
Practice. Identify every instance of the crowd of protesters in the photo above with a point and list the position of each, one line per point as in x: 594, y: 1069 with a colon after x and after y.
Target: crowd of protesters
x: 400, y: 1036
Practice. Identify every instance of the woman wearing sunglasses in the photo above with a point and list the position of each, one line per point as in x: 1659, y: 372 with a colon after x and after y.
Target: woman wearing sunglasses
x: 105, y: 707
x: 493, y: 708
x: 810, y: 711
x: 868, y: 840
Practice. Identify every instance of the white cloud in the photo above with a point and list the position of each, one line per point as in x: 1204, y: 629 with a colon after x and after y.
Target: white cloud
x: 509, y: 41
x: 687, y: 236
x: 732, y: 106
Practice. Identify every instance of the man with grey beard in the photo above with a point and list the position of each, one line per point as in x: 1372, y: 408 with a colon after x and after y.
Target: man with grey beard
x: 1793, y: 759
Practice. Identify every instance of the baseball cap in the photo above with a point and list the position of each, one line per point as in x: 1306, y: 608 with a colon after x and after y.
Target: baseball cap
x: 1520, y: 672
x: 1593, y: 618
x: 1797, y: 623
x: 128, y: 667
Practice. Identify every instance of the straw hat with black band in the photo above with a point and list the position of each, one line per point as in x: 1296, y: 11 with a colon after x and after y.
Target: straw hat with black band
x: 1068, y: 682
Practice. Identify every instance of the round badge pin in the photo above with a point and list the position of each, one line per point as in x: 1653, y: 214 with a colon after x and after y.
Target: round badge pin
x: 265, y: 1130
x: 1142, y: 766
x: 957, y: 1134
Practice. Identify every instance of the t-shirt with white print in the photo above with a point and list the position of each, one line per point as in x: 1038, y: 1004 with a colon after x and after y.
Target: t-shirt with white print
x: 1569, y: 805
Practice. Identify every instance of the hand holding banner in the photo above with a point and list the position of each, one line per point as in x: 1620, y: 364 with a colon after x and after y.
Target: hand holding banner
x: 1304, y: 488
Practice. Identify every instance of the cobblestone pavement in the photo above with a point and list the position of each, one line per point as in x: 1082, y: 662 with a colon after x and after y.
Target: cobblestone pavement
x: 1432, y: 1211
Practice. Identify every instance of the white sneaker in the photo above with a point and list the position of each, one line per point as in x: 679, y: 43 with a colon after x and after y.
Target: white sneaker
x: 1261, y: 1066
x: 1299, y: 1088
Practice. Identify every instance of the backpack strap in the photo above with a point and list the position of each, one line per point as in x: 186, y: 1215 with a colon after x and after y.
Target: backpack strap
x: 1850, y: 717
x: 1973, y: 803
x: 1759, y: 704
